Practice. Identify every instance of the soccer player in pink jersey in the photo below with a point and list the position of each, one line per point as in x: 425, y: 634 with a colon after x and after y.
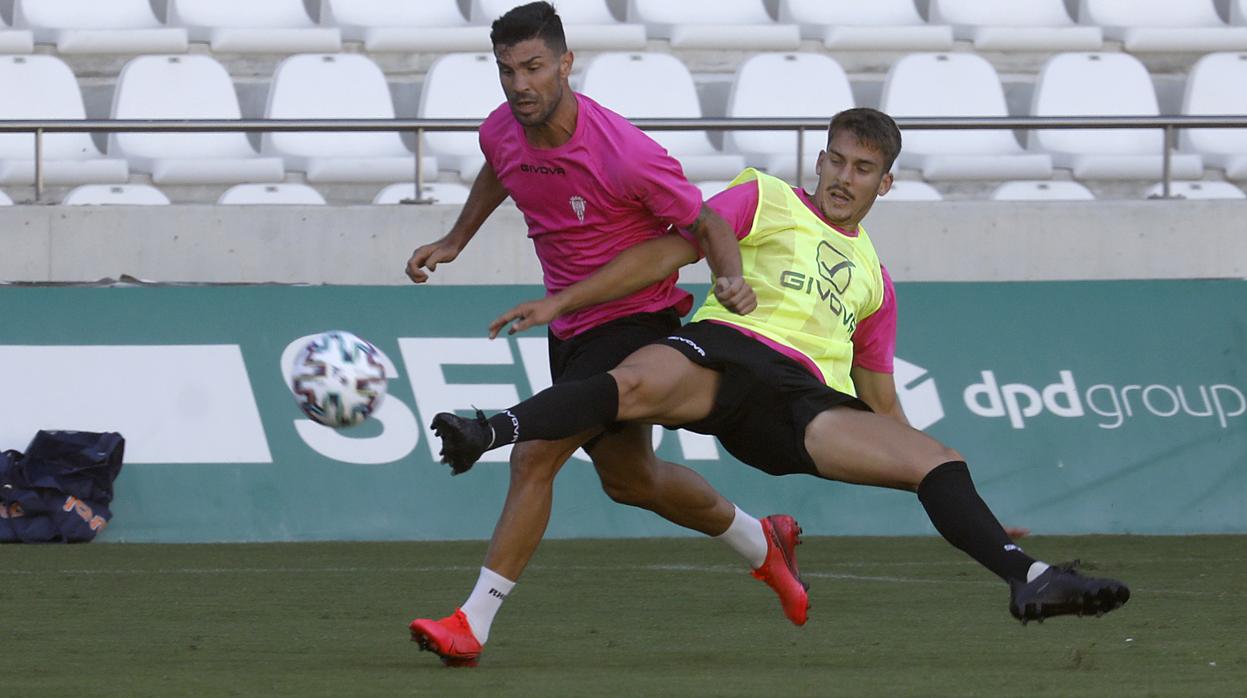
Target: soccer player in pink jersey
x: 591, y: 185
x: 803, y: 385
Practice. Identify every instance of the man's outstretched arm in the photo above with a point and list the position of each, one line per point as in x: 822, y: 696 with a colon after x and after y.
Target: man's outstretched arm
x: 486, y: 195
x: 630, y: 271
x: 654, y: 260
x: 642, y: 265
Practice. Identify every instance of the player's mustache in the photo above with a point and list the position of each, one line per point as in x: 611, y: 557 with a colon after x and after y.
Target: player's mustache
x: 841, y: 192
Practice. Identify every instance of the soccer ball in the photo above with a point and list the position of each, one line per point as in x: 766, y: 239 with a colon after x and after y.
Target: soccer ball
x: 338, y: 379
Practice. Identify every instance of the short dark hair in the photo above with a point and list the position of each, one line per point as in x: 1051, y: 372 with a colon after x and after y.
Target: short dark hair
x: 872, y: 127
x: 536, y: 20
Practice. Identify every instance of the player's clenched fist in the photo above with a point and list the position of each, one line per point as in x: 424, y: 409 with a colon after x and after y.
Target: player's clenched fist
x: 735, y: 294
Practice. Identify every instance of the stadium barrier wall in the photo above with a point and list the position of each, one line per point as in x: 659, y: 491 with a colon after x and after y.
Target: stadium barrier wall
x: 1082, y: 407
x: 941, y: 241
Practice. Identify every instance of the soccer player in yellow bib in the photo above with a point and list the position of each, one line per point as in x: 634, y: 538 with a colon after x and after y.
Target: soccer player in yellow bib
x: 781, y: 387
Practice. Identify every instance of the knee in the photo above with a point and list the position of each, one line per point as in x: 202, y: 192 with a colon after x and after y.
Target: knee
x: 635, y: 489
x: 635, y: 492
x: 622, y: 492
x: 635, y: 392
x: 533, y: 464
x: 948, y: 455
x: 942, y: 455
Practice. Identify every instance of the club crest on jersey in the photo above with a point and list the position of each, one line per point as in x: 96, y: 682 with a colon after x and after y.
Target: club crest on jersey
x: 578, y: 207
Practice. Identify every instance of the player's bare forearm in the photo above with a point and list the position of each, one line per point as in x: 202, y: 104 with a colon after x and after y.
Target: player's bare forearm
x: 722, y: 249
x: 486, y: 195
x: 630, y: 271
x: 719, y: 243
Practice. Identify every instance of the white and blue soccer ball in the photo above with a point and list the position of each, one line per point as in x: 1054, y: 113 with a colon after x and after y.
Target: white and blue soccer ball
x: 338, y: 379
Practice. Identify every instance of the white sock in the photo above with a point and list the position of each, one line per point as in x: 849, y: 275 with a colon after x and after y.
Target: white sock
x: 746, y: 537
x: 487, y: 596
x: 1037, y: 568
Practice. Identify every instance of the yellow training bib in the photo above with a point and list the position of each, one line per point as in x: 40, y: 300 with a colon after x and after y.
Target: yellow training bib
x: 813, y: 283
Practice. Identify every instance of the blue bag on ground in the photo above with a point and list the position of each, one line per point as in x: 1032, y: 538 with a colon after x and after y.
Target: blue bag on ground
x: 60, y: 489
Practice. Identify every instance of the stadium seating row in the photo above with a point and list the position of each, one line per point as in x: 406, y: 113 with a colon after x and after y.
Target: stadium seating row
x: 455, y: 193
x: 1041, y: 190
x: 284, y: 26
x: 252, y: 193
x: 638, y: 85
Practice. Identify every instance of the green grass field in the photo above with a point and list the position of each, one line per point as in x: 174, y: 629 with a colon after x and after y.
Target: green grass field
x: 673, y: 617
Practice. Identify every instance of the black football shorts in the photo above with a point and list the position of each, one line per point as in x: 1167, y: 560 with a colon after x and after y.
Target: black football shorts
x: 602, y: 348
x: 765, y: 400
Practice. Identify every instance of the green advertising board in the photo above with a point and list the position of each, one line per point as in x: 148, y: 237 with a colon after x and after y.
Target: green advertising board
x: 1081, y: 407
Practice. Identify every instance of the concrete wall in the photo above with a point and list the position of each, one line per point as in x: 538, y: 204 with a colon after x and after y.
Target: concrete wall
x: 943, y: 241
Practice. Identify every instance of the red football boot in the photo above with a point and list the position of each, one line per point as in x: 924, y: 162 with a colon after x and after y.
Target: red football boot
x: 450, y: 638
x: 779, y: 570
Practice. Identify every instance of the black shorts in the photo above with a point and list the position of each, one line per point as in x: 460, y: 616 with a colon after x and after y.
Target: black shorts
x: 765, y: 400
x: 602, y: 348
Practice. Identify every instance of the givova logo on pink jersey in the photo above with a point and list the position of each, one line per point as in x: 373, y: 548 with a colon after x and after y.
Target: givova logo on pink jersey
x: 1112, y: 405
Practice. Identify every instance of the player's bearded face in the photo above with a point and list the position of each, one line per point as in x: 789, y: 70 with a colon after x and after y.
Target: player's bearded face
x: 851, y: 176
x: 532, y: 76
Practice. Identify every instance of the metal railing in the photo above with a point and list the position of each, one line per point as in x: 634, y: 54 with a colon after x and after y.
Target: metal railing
x: 418, y: 127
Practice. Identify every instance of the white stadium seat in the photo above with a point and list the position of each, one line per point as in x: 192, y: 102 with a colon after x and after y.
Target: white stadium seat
x: 92, y: 26
x: 15, y: 40
x: 459, y: 86
x: 185, y: 87
x: 5, y: 200
x: 1163, y: 25
x: 429, y: 26
x: 763, y: 87
x: 251, y: 26
x: 910, y: 190
x: 337, y: 86
x: 1238, y: 12
x: 1103, y: 84
x: 1034, y: 25
x: 115, y: 195
x: 1042, y: 191
x: 439, y: 192
x: 271, y: 194
x: 658, y: 85
x: 1196, y: 190
x: 878, y: 25
x: 714, y: 24
x: 588, y: 24
x: 1207, y: 95
x: 956, y: 84
x: 42, y: 87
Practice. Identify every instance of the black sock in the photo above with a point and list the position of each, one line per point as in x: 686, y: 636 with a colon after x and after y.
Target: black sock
x: 560, y: 411
x: 961, y: 516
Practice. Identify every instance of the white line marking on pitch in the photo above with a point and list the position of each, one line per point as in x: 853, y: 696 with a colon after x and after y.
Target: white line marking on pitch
x: 717, y: 569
